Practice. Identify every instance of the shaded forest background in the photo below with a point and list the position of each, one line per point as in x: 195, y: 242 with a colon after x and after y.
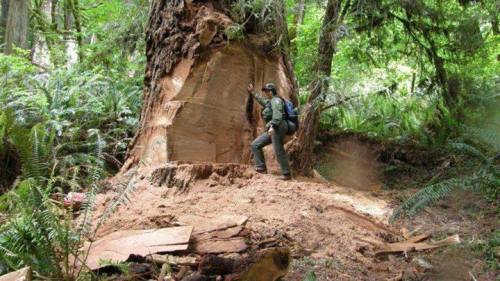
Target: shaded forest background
x: 420, y: 73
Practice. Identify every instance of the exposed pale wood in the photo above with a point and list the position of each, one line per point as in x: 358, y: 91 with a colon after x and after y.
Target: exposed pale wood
x: 235, y: 245
x: 206, y: 225
x: 191, y: 110
x: 409, y: 246
x: 219, y: 234
x: 23, y: 274
x: 174, y: 260
x: 417, y: 238
x: 318, y: 176
x: 120, y: 245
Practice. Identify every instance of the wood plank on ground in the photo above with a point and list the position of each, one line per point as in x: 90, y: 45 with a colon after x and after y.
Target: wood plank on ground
x: 118, y: 246
x: 234, y: 245
x: 23, y: 274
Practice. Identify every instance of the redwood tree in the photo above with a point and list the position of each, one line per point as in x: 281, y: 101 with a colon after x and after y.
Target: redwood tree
x: 201, y: 55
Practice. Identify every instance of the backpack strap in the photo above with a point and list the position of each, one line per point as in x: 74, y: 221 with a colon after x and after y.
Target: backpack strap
x: 284, y: 108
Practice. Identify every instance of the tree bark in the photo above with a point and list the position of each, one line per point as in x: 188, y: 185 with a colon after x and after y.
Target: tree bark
x: 53, y: 14
x: 3, y: 19
x: 69, y: 38
x: 195, y: 104
x: 302, y: 148
x: 40, y: 51
x: 16, y: 32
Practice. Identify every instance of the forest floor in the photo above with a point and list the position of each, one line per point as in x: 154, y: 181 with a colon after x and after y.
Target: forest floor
x: 326, y: 224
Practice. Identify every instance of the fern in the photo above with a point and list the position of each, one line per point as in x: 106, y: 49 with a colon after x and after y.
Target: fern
x: 484, y: 178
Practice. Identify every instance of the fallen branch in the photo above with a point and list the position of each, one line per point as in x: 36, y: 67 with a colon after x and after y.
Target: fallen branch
x: 318, y: 176
x: 407, y: 246
x: 337, y: 103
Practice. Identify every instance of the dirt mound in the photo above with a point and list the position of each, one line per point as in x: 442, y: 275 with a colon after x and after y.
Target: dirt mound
x: 350, y: 163
x: 320, y: 221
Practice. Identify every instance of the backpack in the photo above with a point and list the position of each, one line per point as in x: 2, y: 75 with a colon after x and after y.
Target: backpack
x: 291, y: 114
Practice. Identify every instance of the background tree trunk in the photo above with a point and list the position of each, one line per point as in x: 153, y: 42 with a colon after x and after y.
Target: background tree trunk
x: 298, y: 19
x: 195, y: 104
x: 3, y: 19
x: 41, y: 52
x: 301, y: 148
x: 16, y: 31
x: 70, y: 40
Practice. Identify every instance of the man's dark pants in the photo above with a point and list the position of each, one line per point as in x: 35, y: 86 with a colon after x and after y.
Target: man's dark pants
x: 277, y: 140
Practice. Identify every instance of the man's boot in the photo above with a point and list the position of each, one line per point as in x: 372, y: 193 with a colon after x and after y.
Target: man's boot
x: 286, y: 177
x: 261, y: 170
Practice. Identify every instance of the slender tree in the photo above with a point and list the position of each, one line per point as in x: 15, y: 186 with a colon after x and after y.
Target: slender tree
x: 298, y: 19
x: 3, y: 18
x: 301, y: 148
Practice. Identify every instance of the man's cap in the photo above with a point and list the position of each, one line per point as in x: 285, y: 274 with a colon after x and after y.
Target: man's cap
x: 269, y: 87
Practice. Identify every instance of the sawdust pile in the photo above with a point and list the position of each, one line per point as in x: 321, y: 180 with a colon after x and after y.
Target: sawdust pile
x: 315, y: 220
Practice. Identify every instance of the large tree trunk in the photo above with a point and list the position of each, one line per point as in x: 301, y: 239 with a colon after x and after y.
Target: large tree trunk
x: 16, y: 32
x: 301, y: 149
x: 195, y: 104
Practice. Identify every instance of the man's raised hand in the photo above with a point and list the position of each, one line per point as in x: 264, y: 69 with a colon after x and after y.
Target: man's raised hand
x: 250, y: 88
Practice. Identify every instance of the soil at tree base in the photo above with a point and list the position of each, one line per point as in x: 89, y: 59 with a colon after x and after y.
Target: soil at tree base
x: 318, y: 219
x: 325, y: 224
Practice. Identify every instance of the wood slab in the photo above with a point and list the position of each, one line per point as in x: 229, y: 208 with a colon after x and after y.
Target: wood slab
x: 204, y: 224
x: 234, y: 245
x: 118, y: 246
x: 23, y: 274
x: 219, y: 234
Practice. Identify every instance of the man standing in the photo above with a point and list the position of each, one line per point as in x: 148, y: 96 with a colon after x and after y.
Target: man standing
x: 276, y: 129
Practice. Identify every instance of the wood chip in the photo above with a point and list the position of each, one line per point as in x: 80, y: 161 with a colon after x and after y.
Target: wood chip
x: 235, y: 245
x: 118, y: 246
x: 174, y: 260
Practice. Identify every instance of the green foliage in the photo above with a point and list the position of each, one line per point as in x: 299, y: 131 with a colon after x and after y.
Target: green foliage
x: 67, y: 129
x: 490, y: 249
x: 310, y: 276
x: 307, y: 45
x: 235, y: 32
x: 483, y: 176
x: 38, y: 231
x: 260, y: 16
x: 66, y: 110
x: 382, y: 66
